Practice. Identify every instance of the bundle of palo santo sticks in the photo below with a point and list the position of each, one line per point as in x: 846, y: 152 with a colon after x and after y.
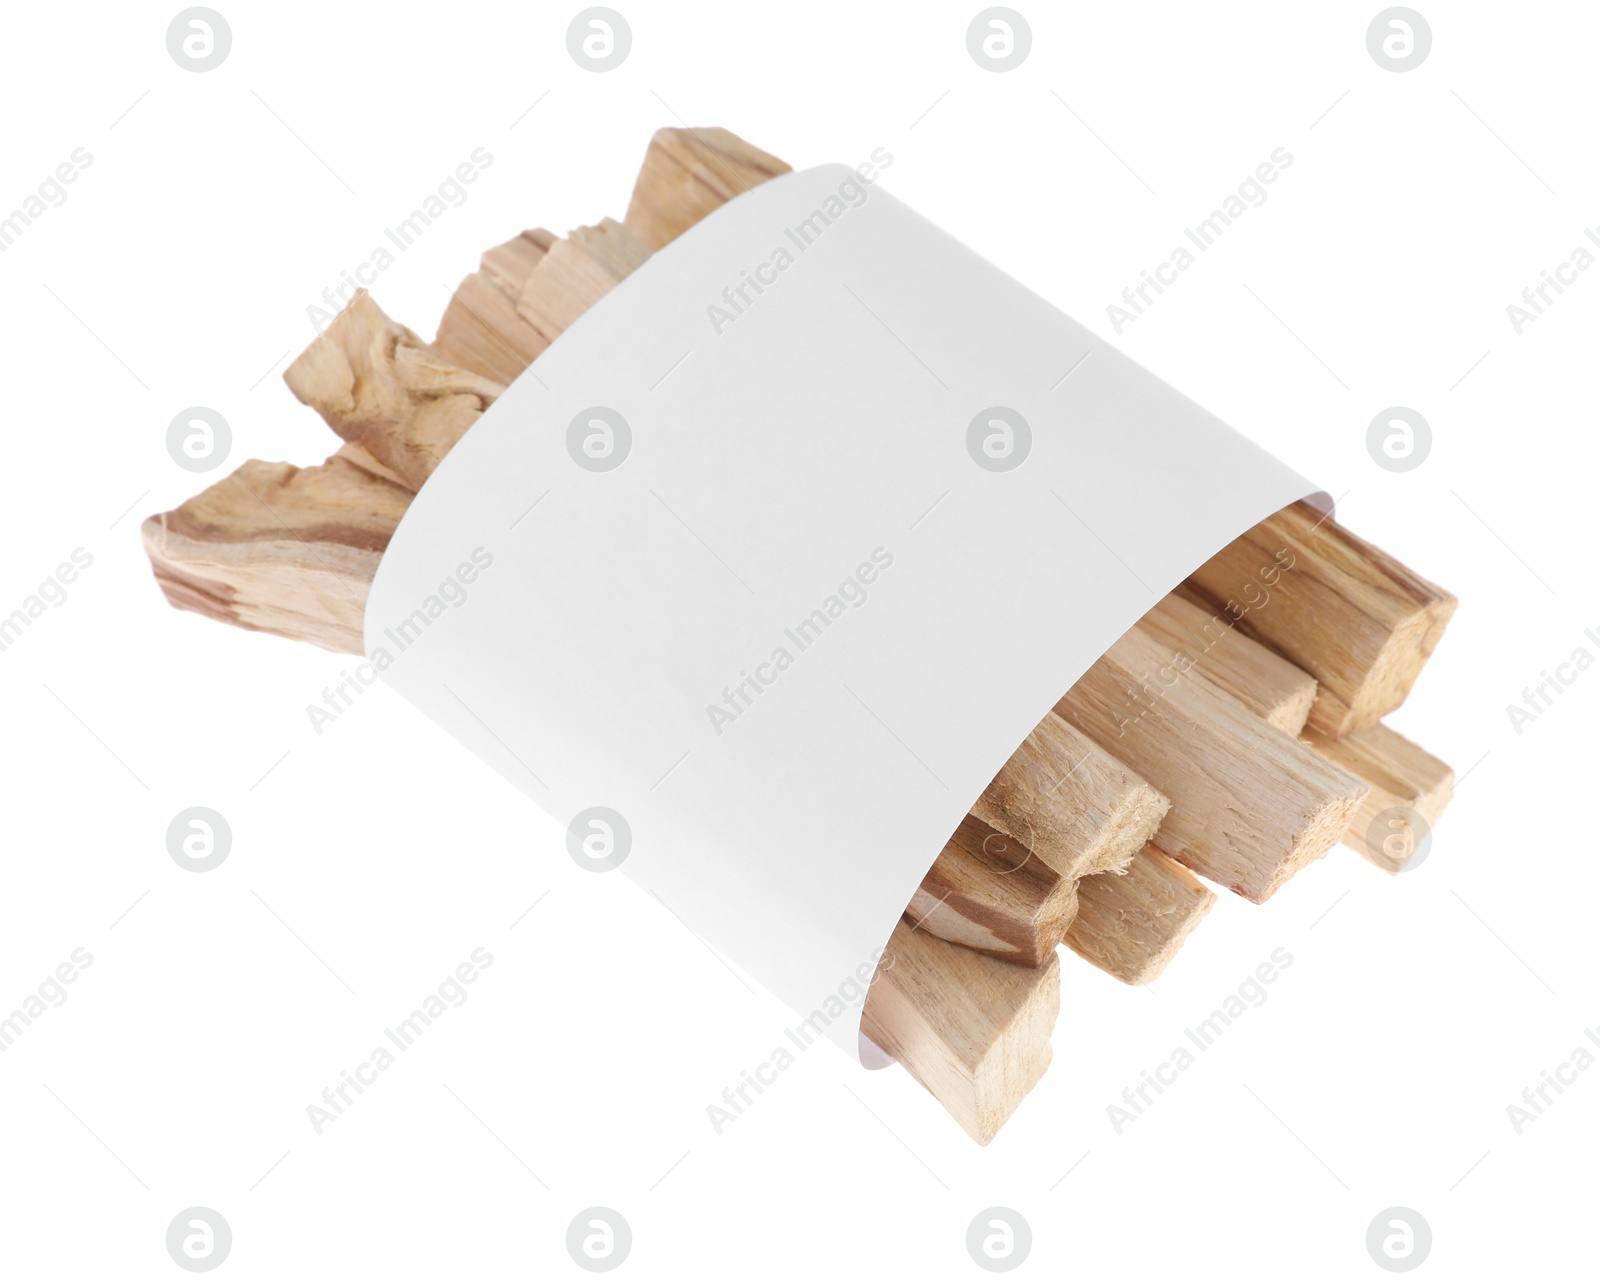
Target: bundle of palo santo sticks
x: 1266, y: 750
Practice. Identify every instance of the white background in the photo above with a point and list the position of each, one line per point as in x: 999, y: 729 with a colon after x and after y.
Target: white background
x: 372, y: 859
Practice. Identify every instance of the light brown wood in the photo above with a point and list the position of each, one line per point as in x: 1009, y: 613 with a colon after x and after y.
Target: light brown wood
x: 578, y: 271
x: 379, y: 386
x: 1400, y: 774
x: 1271, y: 687
x: 686, y: 174
x: 1335, y: 606
x: 1132, y: 925
x: 293, y: 551
x: 975, y: 1031
x: 1075, y: 805
x: 281, y: 549
x: 989, y: 893
x: 480, y: 330
x: 358, y: 456
x: 1250, y: 805
x: 507, y: 266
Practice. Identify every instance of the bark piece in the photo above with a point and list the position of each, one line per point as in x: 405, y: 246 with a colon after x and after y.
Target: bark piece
x: 1075, y: 805
x: 973, y: 1030
x: 281, y: 549
x: 989, y: 893
x: 1335, y: 606
x: 1131, y: 925
x: 1271, y: 687
x: 1400, y: 774
x: 379, y: 386
x: 686, y: 174
x: 1250, y: 805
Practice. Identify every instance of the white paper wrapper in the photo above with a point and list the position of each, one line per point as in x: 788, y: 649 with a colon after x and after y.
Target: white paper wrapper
x: 793, y: 633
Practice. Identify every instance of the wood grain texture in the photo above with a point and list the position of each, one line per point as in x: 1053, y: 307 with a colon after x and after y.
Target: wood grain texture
x: 400, y: 406
x: 576, y: 273
x: 1335, y: 606
x: 975, y: 1031
x: 379, y: 386
x: 293, y: 551
x: 1132, y: 925
x: 508, y: 265
x: 1400, y: 774
x: 1074, y: 804
x: 989, y: 893
x: 1270, y: 686
x: 359, y: 456
x: 480, y: 330
x: 1250, y: 805
x: 686, y: 174
x: 281, y: 549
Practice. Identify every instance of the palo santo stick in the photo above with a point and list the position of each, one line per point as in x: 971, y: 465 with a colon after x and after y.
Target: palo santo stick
x: 1271, y: 687
x: 282, y: 549
x: 1398, y: 771
x: 480, y: 330
x: 1400, y: 774
x: 1250, y: 805
x: 379, y: 386
x: 686, y: 174
x: 576, y: 273
x: 973, y: 1030
x: 400, y: 406
x: 1077, y: 807
x: 1131, y: 925
x: 989, y: 893
x: 1335, y: 606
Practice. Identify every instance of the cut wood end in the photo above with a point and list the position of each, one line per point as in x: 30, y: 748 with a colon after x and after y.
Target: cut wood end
x: 1400, y: 775
x: 1131, y: 926
x: 1340, y: 608
x: 1070, y: 801
x: 1133, y: 821
x: 1325, y: 827
x: 1394, y: 671
x: 973, y: 1030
